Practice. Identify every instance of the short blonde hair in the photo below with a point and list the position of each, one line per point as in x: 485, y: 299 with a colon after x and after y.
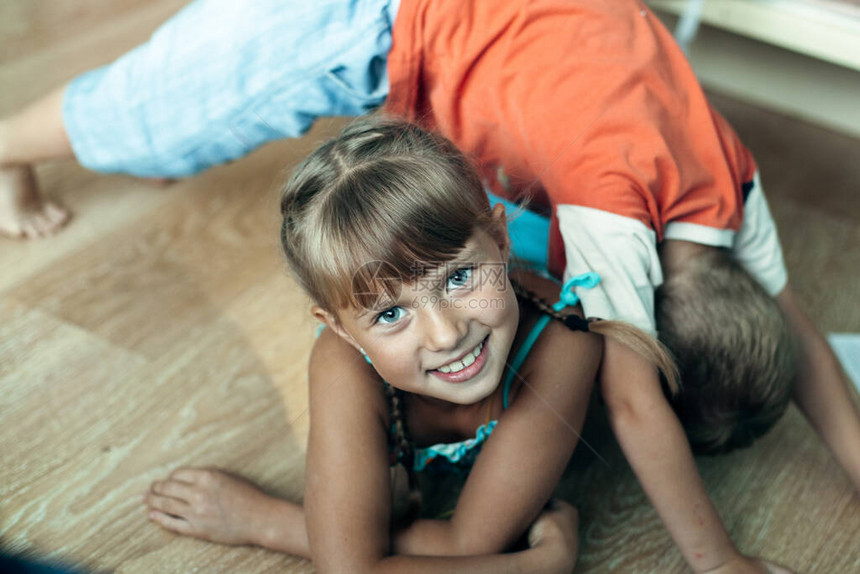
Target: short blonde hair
x: 734, y: 349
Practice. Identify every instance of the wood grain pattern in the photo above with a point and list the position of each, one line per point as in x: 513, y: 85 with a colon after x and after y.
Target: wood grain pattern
x: 161, y: 329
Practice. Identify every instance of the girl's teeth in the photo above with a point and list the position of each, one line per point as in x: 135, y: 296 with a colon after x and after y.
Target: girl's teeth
x: 457, y: 366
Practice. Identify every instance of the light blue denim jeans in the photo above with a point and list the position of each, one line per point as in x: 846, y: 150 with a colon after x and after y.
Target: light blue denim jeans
x: 221, y: 78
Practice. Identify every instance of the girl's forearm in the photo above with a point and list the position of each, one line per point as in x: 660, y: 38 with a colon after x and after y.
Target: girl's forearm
x: 656, y: 447
x: 281, y: 527
x: 422, y: 548
x: 532, y: 561
x: 426, y: 538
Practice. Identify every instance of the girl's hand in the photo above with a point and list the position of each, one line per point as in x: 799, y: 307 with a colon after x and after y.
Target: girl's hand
x: 209, y: 504
x: 741, y: 564
x: 556, y: 531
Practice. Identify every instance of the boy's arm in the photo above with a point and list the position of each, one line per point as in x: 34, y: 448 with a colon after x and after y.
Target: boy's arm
x: 822, y: 391
x: 656, y: 447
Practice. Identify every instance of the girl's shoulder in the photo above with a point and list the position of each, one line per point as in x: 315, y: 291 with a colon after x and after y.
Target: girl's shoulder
x: 342, y: 384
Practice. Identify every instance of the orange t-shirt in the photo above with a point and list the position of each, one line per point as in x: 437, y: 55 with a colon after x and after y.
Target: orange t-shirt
x: 582, y: 102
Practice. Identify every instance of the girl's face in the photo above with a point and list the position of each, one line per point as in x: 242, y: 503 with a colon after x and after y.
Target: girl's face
x: 449, y: 332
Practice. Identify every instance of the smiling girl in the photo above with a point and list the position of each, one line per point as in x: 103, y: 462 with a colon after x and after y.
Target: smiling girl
x: 389, y: 230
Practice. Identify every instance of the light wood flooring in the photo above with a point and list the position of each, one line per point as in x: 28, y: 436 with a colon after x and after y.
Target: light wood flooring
x: 161, y: 329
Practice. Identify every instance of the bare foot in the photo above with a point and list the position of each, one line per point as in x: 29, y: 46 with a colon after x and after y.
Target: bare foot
x: 23, y: 212
x: 209, y: 504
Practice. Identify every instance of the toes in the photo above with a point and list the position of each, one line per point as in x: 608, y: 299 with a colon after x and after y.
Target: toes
x: 43, y: 225
x: 36, y: 225
x: 29, y: 229
x: 13, y: 231
x: 50, y: 220
x: 57, y: 215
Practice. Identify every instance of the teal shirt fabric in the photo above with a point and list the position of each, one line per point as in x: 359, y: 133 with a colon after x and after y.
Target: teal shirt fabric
x: 462, y: 455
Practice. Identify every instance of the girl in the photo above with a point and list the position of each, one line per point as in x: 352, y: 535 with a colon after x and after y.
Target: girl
x: 390, y: 232
x: 588, y: 107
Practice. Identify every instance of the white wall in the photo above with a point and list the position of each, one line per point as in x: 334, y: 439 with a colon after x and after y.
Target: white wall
x: 783, y: 80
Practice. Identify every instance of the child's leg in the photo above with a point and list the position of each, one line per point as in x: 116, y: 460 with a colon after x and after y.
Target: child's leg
x: 36, y: 133
x: 222, y: 78
x: 215, y: 82
x: 33, y: 135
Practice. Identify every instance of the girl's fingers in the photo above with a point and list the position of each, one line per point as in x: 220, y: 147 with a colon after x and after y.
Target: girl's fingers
x: 173, y: 489
x: 166, y: 504
x: 172, y: 523
x: 187, y: 475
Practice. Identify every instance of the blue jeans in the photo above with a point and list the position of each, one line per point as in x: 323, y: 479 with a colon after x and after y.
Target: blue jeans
x: 221, y: 78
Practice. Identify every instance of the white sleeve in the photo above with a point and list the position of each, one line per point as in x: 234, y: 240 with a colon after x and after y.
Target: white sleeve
x: 623, y: 251
x: 756, y: 246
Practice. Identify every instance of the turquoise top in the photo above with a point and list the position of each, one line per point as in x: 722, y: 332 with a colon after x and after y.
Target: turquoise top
x: 465, y: 452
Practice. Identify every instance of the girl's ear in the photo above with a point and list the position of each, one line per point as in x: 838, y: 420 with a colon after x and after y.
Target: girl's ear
x: 500, y: 226
x: 332, y: 323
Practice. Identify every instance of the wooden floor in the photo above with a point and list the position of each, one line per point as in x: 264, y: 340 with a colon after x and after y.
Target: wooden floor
x: 161, y: 329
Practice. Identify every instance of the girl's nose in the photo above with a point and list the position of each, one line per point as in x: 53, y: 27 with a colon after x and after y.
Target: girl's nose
x: 443, y: 329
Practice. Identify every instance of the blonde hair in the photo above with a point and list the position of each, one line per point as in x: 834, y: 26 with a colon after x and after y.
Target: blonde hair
x: 651, y: 349
x: 432, y: 202
x: 384, y: 191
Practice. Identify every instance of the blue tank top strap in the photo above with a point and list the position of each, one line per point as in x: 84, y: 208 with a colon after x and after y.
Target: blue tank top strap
x: 568, y: 298
x: 521, y: 355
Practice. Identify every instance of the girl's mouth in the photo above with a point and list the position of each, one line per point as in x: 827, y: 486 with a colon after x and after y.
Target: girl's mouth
x: 465, y: 368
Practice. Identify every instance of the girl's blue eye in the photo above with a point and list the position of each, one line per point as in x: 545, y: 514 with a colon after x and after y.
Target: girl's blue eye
x: 460, y: 278
x: 390, y: 316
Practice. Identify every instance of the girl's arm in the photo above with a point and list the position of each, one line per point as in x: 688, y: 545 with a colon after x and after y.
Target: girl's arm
x: 348, y: 493
x: 348, y: 496
x: 523, y: 460
x: 657, y: 448
x: 822, y: 391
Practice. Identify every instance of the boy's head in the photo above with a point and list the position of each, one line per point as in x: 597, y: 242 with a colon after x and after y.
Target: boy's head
x: 734, y: 350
